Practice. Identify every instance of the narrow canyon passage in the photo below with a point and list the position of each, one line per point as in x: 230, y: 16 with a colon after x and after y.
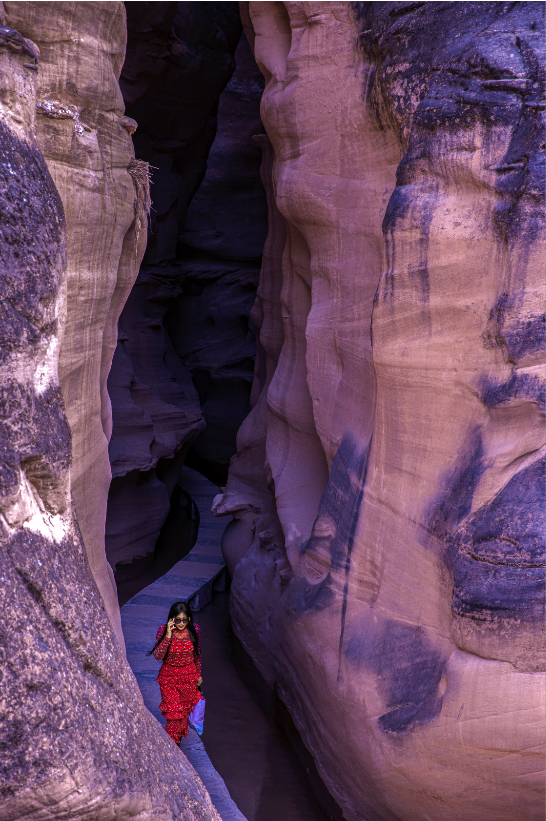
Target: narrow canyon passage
x: 183, y: 367
x: 245, y: 744
x: 198, y: 281
x: 261, y: 770
x: 272, y: 303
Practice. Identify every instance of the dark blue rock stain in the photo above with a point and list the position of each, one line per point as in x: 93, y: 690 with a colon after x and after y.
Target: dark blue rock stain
x: 408, y: 666
x: 499, y: 567
x: 527, y: 338
x: 517, y: 336
x: 340, y: 503
x: 490, y: 75
x: 454, y: 502
x: 399, y: 210
x: 519, y: 386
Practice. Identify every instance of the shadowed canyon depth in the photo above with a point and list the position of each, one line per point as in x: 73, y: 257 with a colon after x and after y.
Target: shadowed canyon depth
x: 281, y: 261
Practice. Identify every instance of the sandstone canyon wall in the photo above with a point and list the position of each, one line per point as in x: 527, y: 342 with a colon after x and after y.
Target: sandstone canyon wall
x: 220, y: 248
x: 86, y: 141
x: 75, y: 739
x: 387, y: 495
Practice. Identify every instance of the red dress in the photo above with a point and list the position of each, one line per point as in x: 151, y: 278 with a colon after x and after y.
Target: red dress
x: 178, y: 679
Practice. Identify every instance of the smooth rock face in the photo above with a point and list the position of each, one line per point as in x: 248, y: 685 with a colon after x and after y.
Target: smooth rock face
x: 387, y: 492
x: 179, y: 58
x: 75, y: 739
x: 86, y: 142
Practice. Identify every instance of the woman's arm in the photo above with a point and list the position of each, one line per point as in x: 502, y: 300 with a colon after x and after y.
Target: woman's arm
x: 161, y: 650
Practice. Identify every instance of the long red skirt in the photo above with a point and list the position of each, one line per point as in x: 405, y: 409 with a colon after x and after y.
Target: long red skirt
x: 179, y: 695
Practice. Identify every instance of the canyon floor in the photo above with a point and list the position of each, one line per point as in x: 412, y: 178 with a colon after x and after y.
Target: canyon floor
x: 251, y: 753
x: 258, y: 765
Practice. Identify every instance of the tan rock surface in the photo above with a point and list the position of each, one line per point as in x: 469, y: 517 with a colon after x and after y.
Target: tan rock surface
x: 76, y: 741
x: 86, y: 141
x: 392, y: 584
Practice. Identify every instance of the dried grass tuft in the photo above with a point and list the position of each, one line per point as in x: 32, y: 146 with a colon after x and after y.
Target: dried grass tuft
x: 140, y: 172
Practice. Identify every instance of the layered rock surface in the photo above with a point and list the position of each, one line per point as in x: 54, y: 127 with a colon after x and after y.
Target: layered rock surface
x: 385, y: 547
x: 76, y: 741
x: 86, y: 141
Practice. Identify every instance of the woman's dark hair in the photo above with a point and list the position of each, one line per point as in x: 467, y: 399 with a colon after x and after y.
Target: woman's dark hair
x: 177, y: 608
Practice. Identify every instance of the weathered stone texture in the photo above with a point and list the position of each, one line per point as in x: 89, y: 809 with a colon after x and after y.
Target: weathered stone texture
x: 386, y: 572
x: 86, y: 142
x: 75, y: 739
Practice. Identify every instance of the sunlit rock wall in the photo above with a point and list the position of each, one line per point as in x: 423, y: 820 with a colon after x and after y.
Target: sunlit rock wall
x: 179, y: 59
x: 386, y: 546
x: 76, y: 741
x: 86, y: 142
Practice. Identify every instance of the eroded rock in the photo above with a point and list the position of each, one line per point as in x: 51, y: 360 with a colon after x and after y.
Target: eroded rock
x: 80, y: 113
x: 75, y: 739
x: 179, y: 58
x: 384, y: 536
x: 221, y: 247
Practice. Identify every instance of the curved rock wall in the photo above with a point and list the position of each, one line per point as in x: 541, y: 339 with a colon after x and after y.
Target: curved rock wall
x: 386, y: 494
x: 76, y: 741
x: 86, y: 142
x: 221, y: 248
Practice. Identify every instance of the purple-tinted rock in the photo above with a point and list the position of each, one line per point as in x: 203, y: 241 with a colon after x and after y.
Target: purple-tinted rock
x: 76, y: 741
x: 179, y: 58
x: 221, y: 247
x: 385, y: 493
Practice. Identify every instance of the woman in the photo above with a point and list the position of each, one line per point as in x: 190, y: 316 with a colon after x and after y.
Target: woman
x: 178, y: 645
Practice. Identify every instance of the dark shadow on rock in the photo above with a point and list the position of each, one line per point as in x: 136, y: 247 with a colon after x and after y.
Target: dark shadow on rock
x: 178, y: 536
x: 249, y: 734
x: 215, y: 472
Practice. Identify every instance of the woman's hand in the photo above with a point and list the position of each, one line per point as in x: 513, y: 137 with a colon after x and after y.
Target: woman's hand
x: 200, y: 681
x: 170, y: 628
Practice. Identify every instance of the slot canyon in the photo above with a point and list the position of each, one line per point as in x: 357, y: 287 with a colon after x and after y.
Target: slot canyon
x: 289, y: 255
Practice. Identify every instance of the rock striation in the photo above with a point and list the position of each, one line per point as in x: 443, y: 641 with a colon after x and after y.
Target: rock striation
x: 76, y: 741
x: 386, y: 495
x: 86, y: 141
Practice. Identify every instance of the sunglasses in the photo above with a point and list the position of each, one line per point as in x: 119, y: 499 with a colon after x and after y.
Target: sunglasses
x: 177, y: 621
